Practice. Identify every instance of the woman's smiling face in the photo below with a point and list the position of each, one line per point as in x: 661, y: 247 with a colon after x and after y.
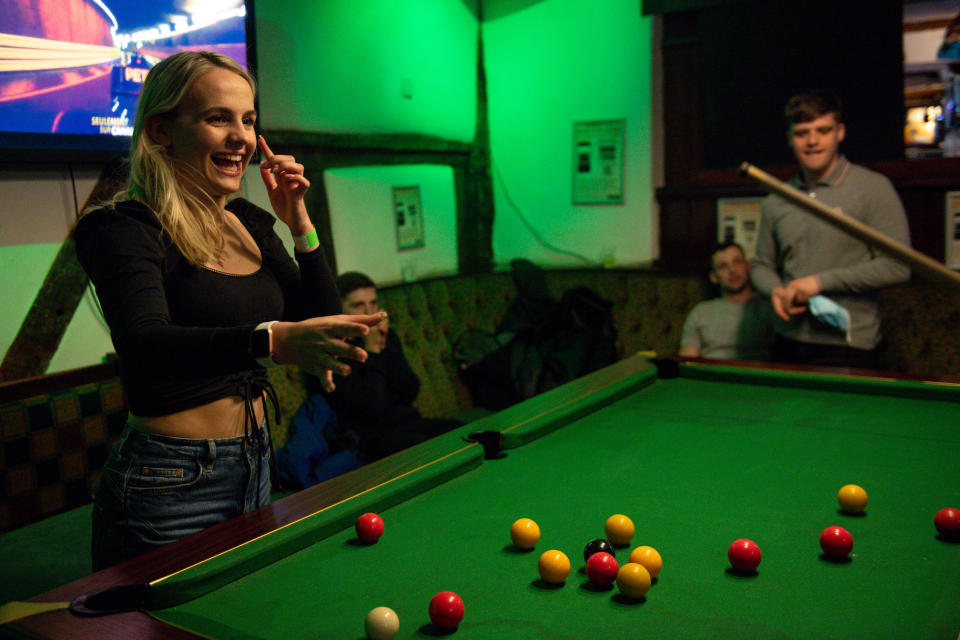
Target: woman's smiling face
x: 212, y: 131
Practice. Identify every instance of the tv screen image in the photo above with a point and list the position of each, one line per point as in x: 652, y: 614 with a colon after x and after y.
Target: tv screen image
x: 71, y: 70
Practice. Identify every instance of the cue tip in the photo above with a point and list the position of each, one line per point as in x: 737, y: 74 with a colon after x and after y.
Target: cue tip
x: 745, y: 169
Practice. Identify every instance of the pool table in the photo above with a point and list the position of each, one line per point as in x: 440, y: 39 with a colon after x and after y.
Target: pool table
x: 696, y: 453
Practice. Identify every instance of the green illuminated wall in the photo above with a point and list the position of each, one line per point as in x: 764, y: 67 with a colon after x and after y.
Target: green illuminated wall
x: 549, y: 64
x: 344, y: 66
x: 23, y: 268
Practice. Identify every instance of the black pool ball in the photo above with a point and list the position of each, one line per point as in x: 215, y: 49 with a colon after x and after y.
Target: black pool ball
x: 597, y: 546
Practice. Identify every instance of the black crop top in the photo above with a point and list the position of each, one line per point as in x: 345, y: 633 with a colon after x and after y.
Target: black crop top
x: 182, y: 332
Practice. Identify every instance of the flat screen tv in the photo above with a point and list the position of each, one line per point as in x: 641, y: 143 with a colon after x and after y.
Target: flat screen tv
x: 71, y: 70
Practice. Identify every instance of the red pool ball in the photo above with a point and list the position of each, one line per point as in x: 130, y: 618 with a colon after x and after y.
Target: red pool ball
x: 369, y: 527
x: 947, y: 522
x: 602, y: 569
x: 836, y: 542
x: 744, y: 555
x: 446, y: 610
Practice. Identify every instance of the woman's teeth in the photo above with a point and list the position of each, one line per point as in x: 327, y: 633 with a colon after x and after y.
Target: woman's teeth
x: 228, y: 160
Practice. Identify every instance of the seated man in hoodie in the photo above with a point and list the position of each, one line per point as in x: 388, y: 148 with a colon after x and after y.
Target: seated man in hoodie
x: 376, y: 400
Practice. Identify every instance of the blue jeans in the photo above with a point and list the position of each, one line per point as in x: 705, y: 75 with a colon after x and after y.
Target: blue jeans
x: 156, y: 489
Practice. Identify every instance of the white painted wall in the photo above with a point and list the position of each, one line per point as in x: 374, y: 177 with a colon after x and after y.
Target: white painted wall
x: 363, y: 227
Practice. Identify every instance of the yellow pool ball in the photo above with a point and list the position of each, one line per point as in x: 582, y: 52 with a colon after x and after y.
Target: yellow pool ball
x: 633, y: 580
x: 525, y: 533
x: 619, y: 529
x: 649, y: 558
x: 554, y: 566
x: 852, y: 498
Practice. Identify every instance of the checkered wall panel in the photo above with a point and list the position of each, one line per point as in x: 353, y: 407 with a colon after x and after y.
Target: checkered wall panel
x: 52, y: 448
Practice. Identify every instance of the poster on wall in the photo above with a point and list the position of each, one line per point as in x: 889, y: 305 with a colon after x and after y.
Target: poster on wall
x: 738, y: 220
x: 598, y: 162
x: 952, y: 250
x: 408, y: 217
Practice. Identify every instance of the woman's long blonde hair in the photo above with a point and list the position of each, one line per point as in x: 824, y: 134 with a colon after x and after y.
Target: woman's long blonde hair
x: 187, y: 213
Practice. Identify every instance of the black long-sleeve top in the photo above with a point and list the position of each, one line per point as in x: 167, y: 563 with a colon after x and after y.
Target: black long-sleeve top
x: 181, y: 331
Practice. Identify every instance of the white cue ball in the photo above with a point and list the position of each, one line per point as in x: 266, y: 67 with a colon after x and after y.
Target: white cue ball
x: 382, y: 624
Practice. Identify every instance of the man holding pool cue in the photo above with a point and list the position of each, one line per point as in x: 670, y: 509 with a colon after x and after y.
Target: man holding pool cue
x: 823, y: 282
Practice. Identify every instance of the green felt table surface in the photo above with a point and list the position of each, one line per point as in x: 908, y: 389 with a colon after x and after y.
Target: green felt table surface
x: 696, y: 461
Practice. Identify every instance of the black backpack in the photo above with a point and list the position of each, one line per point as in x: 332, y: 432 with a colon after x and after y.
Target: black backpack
x: 576, y: 337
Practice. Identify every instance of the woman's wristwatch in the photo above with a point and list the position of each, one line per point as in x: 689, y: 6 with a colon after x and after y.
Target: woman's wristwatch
x: 261, y: 344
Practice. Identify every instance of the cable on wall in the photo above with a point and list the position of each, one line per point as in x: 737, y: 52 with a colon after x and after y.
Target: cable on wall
x: 76, y: 200
x: 546, y: 245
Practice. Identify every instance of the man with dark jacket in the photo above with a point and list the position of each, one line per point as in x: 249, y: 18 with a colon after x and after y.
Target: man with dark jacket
x: 376, y: 400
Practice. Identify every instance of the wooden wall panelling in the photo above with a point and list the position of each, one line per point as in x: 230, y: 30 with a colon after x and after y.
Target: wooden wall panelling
x: 683, y: 146
x: 689, y: 223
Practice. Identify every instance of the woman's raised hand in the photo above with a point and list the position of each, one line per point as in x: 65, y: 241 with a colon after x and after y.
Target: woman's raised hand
x: 286, y: 186
x: 317, y: 344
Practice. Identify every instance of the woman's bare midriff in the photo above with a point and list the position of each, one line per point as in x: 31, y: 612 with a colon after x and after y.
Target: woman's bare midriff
x: 223, y: 418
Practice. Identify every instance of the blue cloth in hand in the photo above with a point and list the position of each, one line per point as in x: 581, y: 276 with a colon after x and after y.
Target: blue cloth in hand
x: 827, y: 311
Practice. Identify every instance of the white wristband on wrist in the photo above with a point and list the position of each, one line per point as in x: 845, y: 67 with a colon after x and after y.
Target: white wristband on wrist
x: 306, y: 242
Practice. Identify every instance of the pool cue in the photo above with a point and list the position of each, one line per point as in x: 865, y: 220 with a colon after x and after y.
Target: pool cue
x: 914, y: 259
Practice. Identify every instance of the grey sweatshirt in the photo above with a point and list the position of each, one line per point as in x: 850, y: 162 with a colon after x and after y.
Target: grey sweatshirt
x: 793, y: 243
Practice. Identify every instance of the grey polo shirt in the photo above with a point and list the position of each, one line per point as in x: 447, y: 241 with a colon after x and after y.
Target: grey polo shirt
x: 793, y: 243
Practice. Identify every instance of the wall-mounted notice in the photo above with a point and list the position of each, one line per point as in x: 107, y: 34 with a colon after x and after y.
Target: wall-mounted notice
x: 598, y: 162
x: 738, y: 220
x: 408, y: 216
x: 952, y: 250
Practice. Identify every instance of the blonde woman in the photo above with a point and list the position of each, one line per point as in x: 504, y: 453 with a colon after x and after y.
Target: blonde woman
x: 200, y: 296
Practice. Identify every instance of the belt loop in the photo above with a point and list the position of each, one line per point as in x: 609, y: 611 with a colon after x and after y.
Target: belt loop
x: 128, y: 431
x: 211, y: 450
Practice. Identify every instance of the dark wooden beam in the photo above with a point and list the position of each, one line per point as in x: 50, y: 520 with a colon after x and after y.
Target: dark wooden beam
x: 58, y: 382
x: 654, y: 7
x: 475, y: 222
x: 373, y: 143
x: 42, y: 330
x: 681, y: 98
